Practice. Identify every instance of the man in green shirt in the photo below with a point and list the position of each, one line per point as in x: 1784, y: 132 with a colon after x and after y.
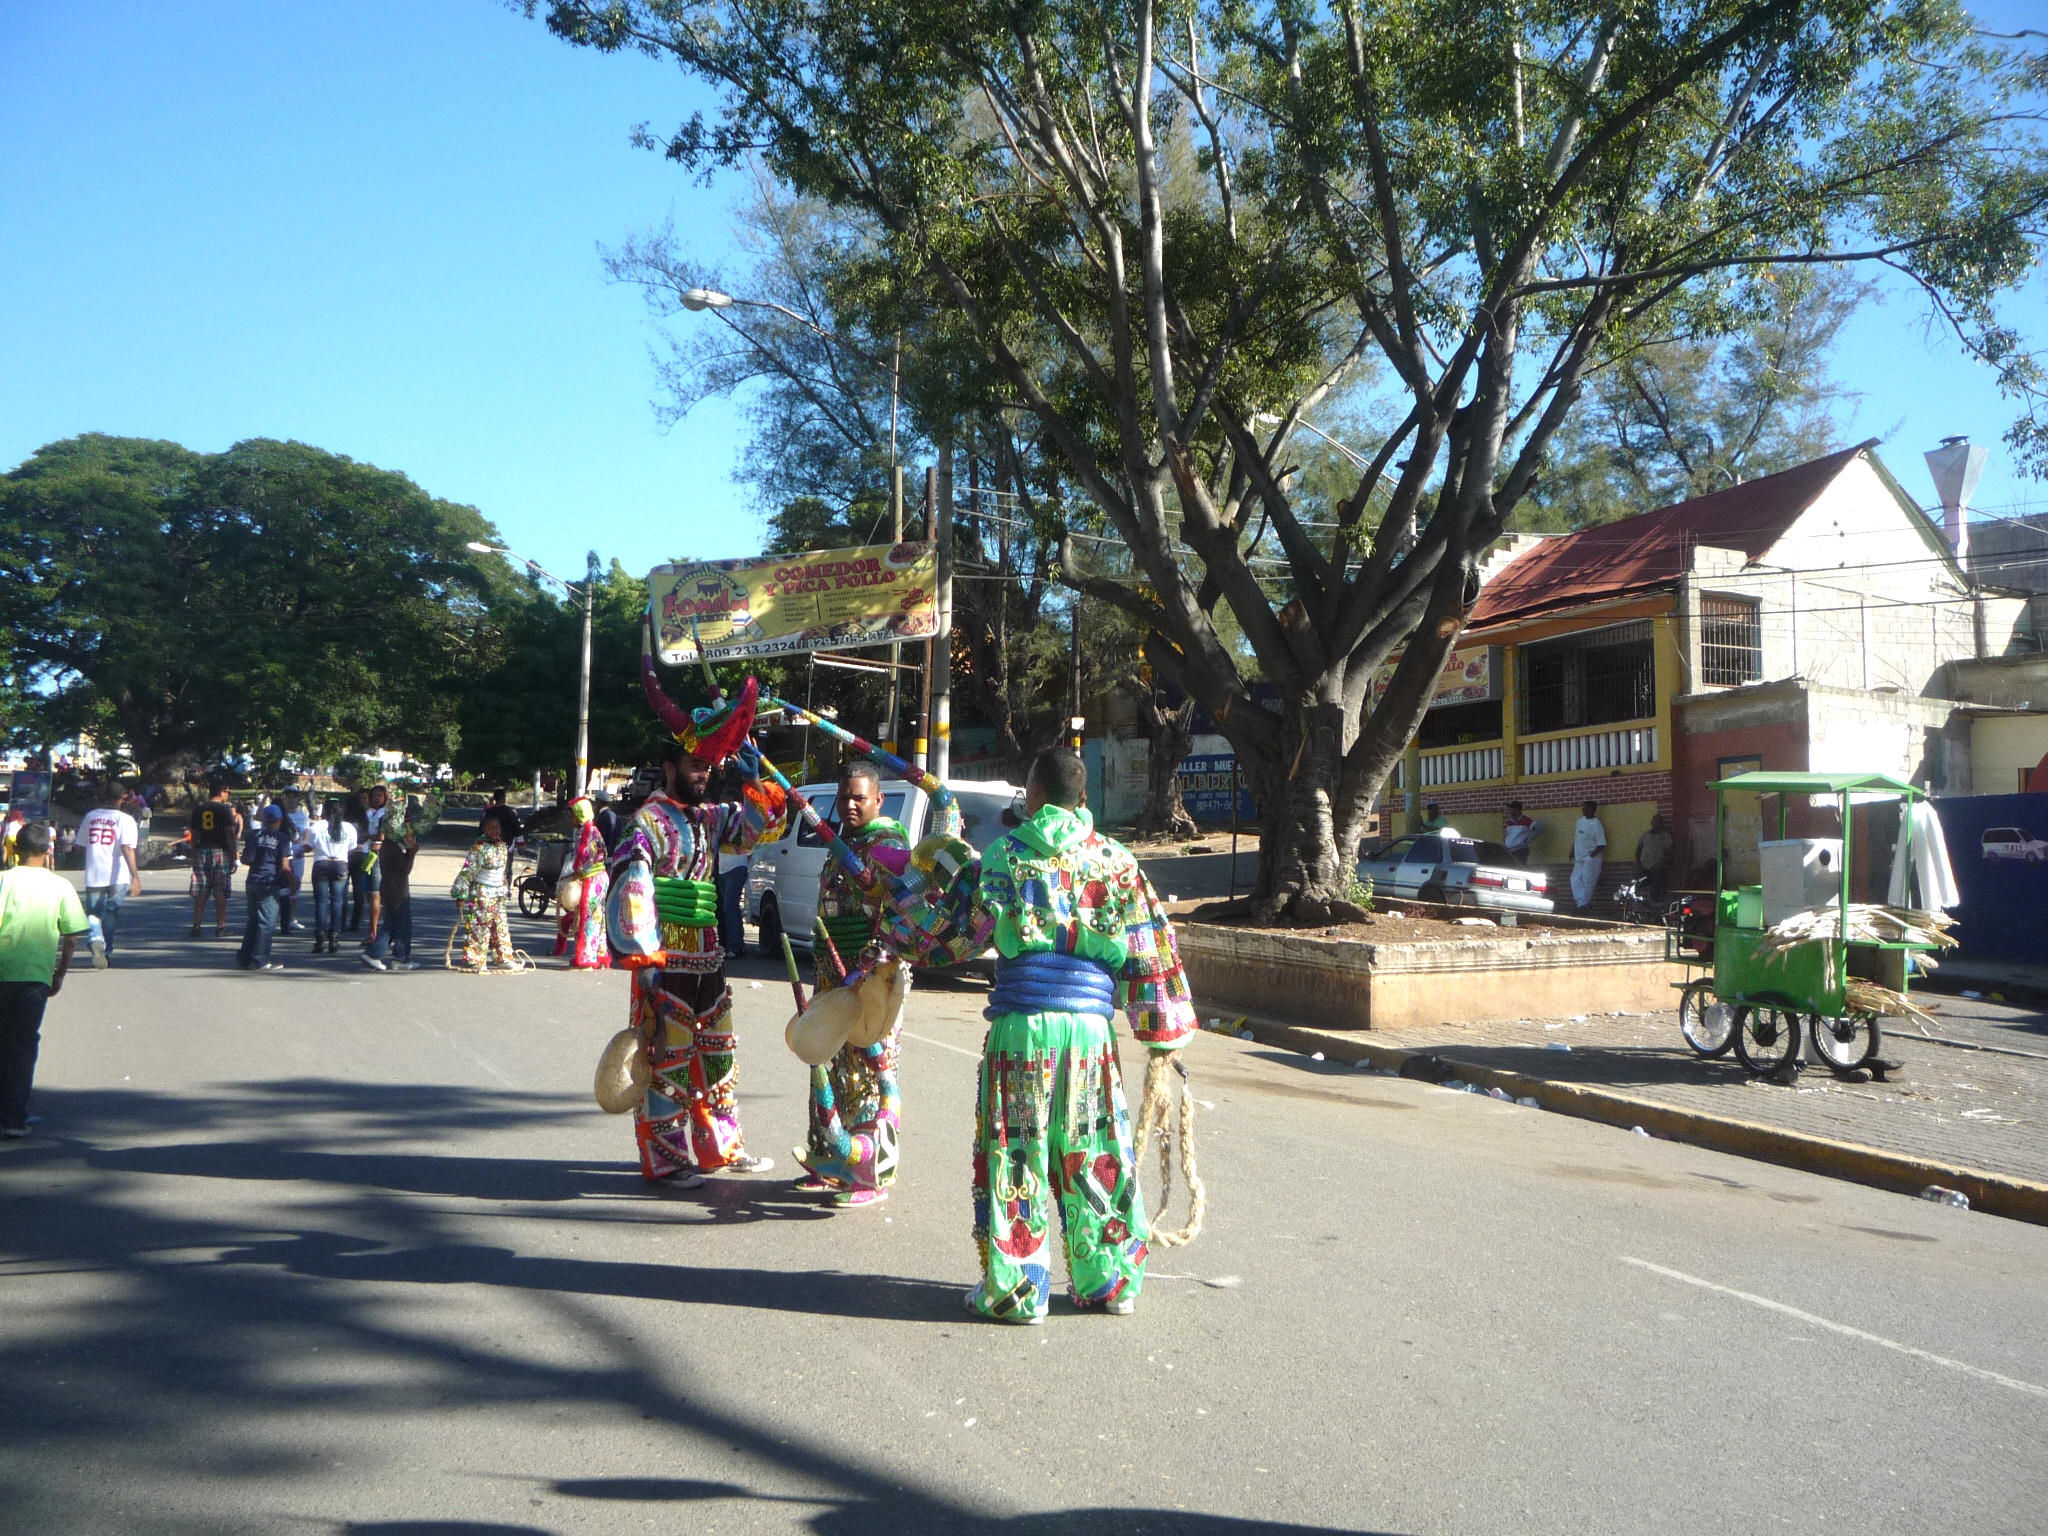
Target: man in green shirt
x: 40, y: 919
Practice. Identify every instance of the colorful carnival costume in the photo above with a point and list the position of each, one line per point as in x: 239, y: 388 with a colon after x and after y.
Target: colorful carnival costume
x: 856, y: 1106
x: 663, y: 926
x: 1079, y: 936
x: 479, y: 891
x: 580, y: 934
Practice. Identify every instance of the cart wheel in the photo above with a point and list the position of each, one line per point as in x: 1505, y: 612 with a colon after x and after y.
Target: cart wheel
x: 1707, y: 1023
x: 1846, y: 1043
x: 533, y: 897
x: 1767, y: 1038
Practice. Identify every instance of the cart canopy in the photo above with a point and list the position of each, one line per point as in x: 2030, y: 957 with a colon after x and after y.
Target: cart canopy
x: 1769, y: 783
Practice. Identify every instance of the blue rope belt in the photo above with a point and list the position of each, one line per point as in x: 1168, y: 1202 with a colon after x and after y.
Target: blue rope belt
x: 1045, y: 982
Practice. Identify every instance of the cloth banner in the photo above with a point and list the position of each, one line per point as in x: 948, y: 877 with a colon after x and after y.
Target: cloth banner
x: 819, y: 600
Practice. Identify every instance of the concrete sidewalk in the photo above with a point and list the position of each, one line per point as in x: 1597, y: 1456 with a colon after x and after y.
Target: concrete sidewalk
x: 1967, y: 1110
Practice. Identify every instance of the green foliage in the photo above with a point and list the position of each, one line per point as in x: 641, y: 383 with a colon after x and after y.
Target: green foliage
x: 1680, y: 418
x: 273, y: 599
x: 1358, y: 890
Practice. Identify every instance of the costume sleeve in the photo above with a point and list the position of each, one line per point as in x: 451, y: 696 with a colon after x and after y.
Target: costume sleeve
x: 958, y: 927
x: 1153, y: 989
x: 756, y: 817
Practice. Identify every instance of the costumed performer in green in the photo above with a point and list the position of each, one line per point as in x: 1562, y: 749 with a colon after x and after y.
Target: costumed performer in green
x: 1079, y: 936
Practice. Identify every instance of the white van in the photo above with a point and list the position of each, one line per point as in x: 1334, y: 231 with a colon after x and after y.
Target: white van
x: 782, y: 885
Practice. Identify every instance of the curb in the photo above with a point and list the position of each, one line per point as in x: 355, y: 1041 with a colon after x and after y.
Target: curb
x: 1995, y: 1193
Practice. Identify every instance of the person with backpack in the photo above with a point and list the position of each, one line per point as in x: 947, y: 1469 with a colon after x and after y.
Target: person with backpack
x: 216, y: 833
x: 267, y: 850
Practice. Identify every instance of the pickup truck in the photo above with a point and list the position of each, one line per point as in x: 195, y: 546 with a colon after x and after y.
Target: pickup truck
x: 782, y: 884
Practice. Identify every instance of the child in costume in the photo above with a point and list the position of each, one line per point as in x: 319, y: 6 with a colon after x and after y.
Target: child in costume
x: 662, y: 917
x: 582, y: 890
x: 479, y: 891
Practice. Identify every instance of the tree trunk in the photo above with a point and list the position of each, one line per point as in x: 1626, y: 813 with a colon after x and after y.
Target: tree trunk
x: 1169, y: 731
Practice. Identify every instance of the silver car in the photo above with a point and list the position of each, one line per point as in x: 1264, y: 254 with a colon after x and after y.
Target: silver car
x: 1449, y: 867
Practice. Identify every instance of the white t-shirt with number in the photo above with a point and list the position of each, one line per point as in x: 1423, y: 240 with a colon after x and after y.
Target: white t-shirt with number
x: 103, y: 834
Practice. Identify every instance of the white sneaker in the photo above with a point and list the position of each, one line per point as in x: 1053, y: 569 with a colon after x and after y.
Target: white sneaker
x: 374, y: 963
x: 1123, y: 1306
x: 403, y: 965
x: 746, y: 1162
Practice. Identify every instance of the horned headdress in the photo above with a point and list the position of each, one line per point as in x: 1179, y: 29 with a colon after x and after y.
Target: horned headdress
x: 712, y: 733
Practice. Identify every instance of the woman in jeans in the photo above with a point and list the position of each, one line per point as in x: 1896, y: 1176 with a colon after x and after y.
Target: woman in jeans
x: 331, y: 840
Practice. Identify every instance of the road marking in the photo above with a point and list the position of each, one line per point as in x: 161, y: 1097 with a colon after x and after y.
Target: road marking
x: 1841, y: 1328
x: 958, y: 1050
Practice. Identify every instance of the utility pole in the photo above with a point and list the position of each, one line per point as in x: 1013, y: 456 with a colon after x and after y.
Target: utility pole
x: 896, y: 647
x: 1077, y: 722
x: 924, y: 704
x: 580, y: 784
x: 942, y: 655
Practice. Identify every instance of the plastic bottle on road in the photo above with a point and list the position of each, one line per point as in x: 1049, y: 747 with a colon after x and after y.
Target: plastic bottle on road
x: 1942, y: 1196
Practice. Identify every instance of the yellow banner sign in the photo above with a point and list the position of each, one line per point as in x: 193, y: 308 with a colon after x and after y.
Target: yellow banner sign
x: 1470, y: 675
x: 820, y: 600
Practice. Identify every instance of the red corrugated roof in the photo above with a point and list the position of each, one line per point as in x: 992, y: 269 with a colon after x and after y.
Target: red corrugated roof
x: 1653, y: 549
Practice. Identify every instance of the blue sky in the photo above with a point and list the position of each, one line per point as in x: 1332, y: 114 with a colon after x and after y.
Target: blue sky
x: 373, y: 227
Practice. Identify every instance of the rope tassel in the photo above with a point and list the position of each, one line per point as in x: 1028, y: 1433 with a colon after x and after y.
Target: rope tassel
x: 1156, y: 1117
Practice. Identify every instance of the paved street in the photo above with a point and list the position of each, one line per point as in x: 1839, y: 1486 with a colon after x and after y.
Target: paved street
x: 339, y: 1252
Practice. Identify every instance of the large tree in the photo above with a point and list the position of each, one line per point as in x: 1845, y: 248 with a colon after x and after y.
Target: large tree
x: 273, y: 599
x: 1156, y: 223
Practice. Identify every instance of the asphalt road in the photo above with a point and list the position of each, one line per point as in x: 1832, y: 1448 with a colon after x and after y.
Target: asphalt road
x: 340, y: 1252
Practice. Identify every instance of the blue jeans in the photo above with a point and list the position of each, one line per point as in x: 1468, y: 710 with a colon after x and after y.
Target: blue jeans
x: 330, y: 882
x: 104, y: 903
x: 394, y: 934
x: 732, y: 909
x: 262, y: 925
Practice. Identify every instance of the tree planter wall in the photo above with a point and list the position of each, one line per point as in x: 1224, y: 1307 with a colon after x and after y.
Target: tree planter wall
x: 1339, y: 983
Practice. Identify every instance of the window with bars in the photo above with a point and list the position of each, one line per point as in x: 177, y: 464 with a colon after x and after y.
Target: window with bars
x: 1600, y: 677
x: 1731, y: 642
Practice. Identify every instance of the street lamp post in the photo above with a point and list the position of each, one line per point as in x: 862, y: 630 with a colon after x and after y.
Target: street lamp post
x: 587, y: 595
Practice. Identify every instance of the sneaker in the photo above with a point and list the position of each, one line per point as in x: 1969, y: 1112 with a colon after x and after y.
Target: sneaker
x: 374, y: 963
x: 402, y: 965
x: 811, y: 1184
x: 854, y: 1199
x: 99, y: 956
x: 1123, y: 1306
x: 746, y: 1162
x: 270, y: 965
x: 973, y: 1302
x: 195, y: 930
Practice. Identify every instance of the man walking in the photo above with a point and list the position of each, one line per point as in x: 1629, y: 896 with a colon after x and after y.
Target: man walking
x: 109, y: 836
x: 1589, y: 853
x: 856, y: 1105
x: 268, y: 852
x: 216, y: 834
x: 40, y: 921
x: 1079, y: 936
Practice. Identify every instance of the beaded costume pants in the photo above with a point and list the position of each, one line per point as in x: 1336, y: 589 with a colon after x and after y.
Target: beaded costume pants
x: 1050, y: 1126
x: 856, y: 1114
x: 690, y: 1119
x: 485, y: 932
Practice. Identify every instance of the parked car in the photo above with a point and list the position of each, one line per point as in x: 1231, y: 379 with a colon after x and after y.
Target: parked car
x: 782, y: 886
x: 1447, y: 866
x: 2013, y: 843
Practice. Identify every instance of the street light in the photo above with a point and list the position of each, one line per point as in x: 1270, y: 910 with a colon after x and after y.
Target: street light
x: 587, y: 595
x: 1268, y: 419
